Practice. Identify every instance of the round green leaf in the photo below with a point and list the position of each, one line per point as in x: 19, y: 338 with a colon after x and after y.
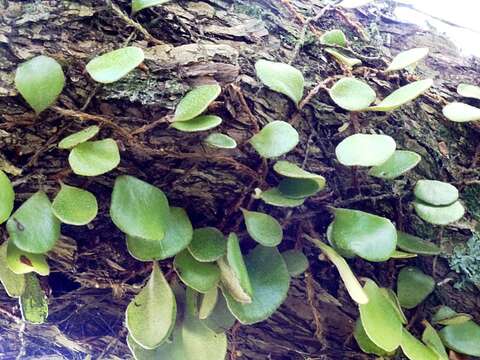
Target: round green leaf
x: 460, y: 112
x: 207, y: 304
x: 79, y: 137
x: 150, y: 316
x: 7, y: 197
x: 138, y: 5
x: 115, y: 64
x: 196, y: 101
x: 33, y: 301
x: 407, y: 58
x: 270, y: 282
x: 74, y: 206
x: 263, y: 228
x: 178, y: 235
x: 139, y: 209
x: 364, y: 342
x: 14, y: 284
x: 93, y: 158
x: 369, y: 236
x: 300, y: 188
x: 380, y: 320
x: 275, y: 139
x: 442, y: 215
x: 334, y: 37
x: 200, y: 276
x: 398, y: 164
x: 274, y: 197
x: 296, y: 261
x: 413, y: 287
x: 221, y: 141
x: 448, y: 316
x: 403, y: 95
x: 220, y: 319
x: 437, y: 193
x: 342, y: 58
x: 40, y: 80
x: 416, y: 245
x: 365, y: 150
x: 463, y: 338
x: 200, y: 123
x: 282, y: 78
x: 431, y: 338
x: 208, y: 244
x: 33, y: 227
x: 414, y: 349
x: 22, y: 262
x: 352, y: 94
x: 470, y: 91
x: 291, y: 170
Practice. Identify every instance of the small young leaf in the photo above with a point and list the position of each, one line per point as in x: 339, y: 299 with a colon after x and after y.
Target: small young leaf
x: 343, y: 59
x: 291, y: 170
x: 139, y: 209
x: 403, y: 95
x: 79, y: 137
x: 74, y: 206
x: 151, y: 315
x: 431, y: 338
x: 196, y: 101
x: 447, y: 316
x: 407, y: 58
x: 115, y: 64
x: 436, y: 193
x: 33, y: 227
x: 40, y: 80
x: 402, y: 255
x: 178, y: 235
x: 334, y: 37
x: 365, y: 150
x: 93, y: 158
x: 296, y: 261
x: 33, y: 301
x: 22, y: 262
x: 138, y: 5
x: 274, y: 197
x: 414, y: 349
x: 364, y: 342
x: 463, y: 338
x: 198, y: 275
x: 413, y: 287
x: 7, y: 197
x: 416, y: 245
x: 236, y: 262
x: 352, y: 94
x: 220, y: 141
x: 398, y: 164
x: 300, y: 188
x: 207, y: 304
x: 460, y: 112
x: 231, y: 283
x: 352, y: 4
x: 470, y: 91
x: 14, y: 284
x: 282, y: 78
x: 263, y: 228
x: 442, y: 215
x: 200, y: 123
x: 208, y: 244
x: 275, y: 139
x: 220, y: 319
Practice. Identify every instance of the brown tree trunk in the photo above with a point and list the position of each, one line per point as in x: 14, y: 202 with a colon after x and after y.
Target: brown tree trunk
x: 93, y: 277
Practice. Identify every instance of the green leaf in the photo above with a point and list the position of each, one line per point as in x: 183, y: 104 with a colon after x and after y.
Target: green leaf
x: 115, y: 64
x: 364, y: 342
x: 79, y: 137
x: 414, y: 349
x: 352, y: 94
x: 365, y: 150
x: 416, y: 245
x: 282, y: 78
x: 275, y: 139
x: 207, y: 304
x: 200, y: 123
x: 138, y: 5
x: 447, y: 316
x: 407, y: 58
x: 40, y: 81
x: 392, y: 297
x: 431, y: 338
x: 33, y: 301
x: 403, y: 95
x: 291, y: 170
x: 33, y: 227
x: 402, y: 255
x: 413, y: 287
x: 463, y: 338
x: 74, y: 206
x: 178, y: 235
x: 139, y: 209
x: 93, y: 158
x: 470, y: 91
x: 443, y: 215
x: 220, y: 319
x: 334, y: 37
x: 270, y: 282
x: 436, y: 193
x: 460, y: 112
x: 221, y: 141
x: 263, y: 228
x: 369, y: 236
x: 380, y: 320
x: 352, y: 4
x: 235, y: 261
x: 196, y: 101
x: 343, y: 59
x: 200, y: 276
x: 150, y: 316
x: 7, y: 197
x: 22, y: 262
x: 296, y: 261
x: 274, y: 197
x: 300, y: 188
x: 208, y: 244
x: 398, y: 164
x: 14, y: 284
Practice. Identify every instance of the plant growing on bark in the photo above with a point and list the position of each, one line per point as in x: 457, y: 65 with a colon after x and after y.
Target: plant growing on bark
x: 461, y: 112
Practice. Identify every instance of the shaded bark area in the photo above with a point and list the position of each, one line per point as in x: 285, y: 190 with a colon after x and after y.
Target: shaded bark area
x: 188, y: 43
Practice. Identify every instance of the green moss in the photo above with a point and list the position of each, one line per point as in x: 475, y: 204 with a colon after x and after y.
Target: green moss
x: 466, y: 261
x: 471, y: 196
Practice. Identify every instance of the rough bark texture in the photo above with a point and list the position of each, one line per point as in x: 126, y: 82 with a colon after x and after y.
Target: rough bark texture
x: 93, y: 277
